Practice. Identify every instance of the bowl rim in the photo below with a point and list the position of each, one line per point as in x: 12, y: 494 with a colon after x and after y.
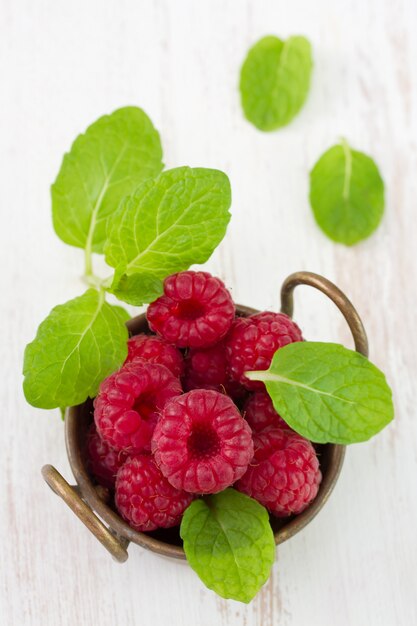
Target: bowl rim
x: 123, y: 531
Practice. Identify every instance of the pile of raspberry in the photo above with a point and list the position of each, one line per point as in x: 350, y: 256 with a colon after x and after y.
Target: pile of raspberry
x: 180, y: 419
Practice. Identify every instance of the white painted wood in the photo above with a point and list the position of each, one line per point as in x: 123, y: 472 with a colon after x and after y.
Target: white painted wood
x: 62, y: 64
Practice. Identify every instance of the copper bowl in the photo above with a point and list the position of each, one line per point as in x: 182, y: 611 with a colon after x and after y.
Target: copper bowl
x: 91, y: 502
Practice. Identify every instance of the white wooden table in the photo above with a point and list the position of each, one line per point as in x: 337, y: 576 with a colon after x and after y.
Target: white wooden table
x: 62, y: 64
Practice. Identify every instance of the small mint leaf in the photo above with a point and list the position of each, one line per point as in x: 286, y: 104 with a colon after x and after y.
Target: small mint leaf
x: 76, y: 347
x: 229, y: 543
x: 346, y: 194
x: 136, y: 289
x: 169, y: 223
x: 107, y: 162
x: 328, y: 393
x: 275, y: 81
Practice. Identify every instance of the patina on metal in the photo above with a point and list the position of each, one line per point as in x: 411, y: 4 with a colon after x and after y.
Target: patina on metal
x: 90, y: 503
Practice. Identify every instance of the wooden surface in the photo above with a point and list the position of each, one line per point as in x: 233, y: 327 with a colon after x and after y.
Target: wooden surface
x: 62, y: 64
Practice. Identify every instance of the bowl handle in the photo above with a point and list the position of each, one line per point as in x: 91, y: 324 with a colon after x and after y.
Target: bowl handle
x: 69, y: 494
x: 338, y: 297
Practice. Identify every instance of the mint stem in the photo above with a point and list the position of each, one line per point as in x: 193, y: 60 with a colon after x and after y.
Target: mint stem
x: 88, y: 271
x: 90, y: 279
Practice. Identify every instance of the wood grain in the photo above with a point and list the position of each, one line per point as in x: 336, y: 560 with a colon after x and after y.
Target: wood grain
x: 62, y: 64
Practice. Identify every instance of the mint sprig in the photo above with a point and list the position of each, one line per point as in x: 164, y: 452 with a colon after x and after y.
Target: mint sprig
x: 229, y: 543
x: 327, y: 393
x: 346, y: 194
x: 106, y: 197
x: 275, y: 81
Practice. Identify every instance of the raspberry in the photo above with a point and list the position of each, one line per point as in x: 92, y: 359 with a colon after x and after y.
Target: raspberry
x: 129, y: 403
x: 102, y: 461
x: 145, y: 498
x: 155, y: 350
x: 195, y: 311
x: 201, y: 443
x: 259, y: 412
x: 253, y: 341
x: 284, y: 475
x: 206, y: 368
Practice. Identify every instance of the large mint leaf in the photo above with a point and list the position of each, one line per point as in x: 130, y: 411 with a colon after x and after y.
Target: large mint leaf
x: 107, y: 162
x: 275, y: 81
x: 229, y: 543
x: 169, y: 222
x: 328, y: 393
x: 346, y: 194
x: 76, y: 347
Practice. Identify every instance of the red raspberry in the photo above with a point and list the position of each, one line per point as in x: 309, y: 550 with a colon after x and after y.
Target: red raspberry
x: 145, y: 498
x: 102, y: 461
x: 201, y: 443
x: 155, y: 350
x: 253, y: 341
x: 284, y: 475
x: 129, y: 403
x: 195, y: 311
x: 206, y: 368
x: 259, y: 412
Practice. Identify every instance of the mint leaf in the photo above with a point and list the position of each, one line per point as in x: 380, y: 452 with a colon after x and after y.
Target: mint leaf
x: 275, y: 81
x: 121, y: 312
x: 229, y: 543
x: 136, y: 289
x: 108, y: 161
x: 169, y: 223
x: 346, y: 194
x: 76, y: 347
x: 328, y: 393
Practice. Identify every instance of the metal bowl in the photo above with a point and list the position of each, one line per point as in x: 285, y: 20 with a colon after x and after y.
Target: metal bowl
x: 91, y: 502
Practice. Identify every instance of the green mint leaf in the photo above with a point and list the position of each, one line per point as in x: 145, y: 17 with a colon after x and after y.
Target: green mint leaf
x: 136, y: 289
x: 76, y: 347
x: 346, y: 194
x: 107, y: 162
x: 275, y: 81
x: 229, y: 543
x: 169, y: 222
x: 122, y: 313
x: 328, y: 393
